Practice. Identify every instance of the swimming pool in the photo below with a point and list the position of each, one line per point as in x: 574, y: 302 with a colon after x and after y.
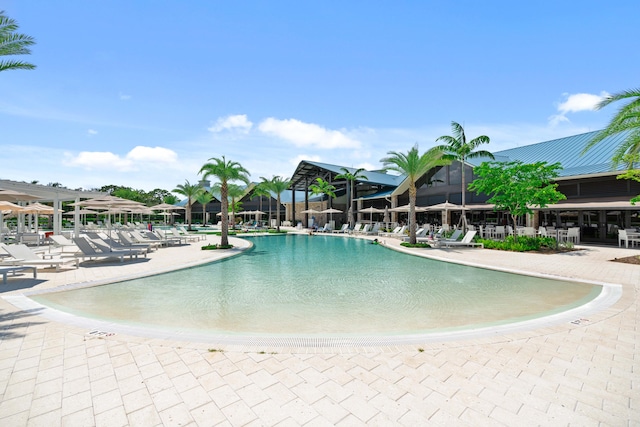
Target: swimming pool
x: 323, y: 286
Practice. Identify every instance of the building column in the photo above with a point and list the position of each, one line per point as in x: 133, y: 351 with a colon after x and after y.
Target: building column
x: 394, y: 204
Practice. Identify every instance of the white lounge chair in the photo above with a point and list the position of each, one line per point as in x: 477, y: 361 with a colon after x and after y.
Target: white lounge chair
x: 90, y: 250
x: 343, y: 229
x: 6, y: 269
x: 467, y: 240
x: 23, y: 255
x: 59, y: 241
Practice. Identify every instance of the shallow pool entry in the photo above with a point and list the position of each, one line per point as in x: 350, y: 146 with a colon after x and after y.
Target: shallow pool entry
x: 324, y: 286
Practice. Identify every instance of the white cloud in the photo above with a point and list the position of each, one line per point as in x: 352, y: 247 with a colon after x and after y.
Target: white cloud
x: 124, y: 97
x: 92, y: 132
x: 307, y: 134
x: 138, y: 158
x: 574, y: 103
x: 580, y: 102
x: 238, y: 122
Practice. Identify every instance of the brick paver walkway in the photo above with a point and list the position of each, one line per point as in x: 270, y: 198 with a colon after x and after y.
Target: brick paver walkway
x: 584, y: 372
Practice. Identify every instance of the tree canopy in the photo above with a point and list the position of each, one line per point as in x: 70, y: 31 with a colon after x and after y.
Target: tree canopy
x: 517, y: 187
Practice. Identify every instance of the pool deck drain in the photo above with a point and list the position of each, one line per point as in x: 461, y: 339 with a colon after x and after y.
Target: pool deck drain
x: 581, y: 371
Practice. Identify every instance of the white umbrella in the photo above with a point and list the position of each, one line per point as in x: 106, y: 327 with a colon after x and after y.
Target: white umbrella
x: 331, y: 211
x: 371, y: 210
x: 446, y: 207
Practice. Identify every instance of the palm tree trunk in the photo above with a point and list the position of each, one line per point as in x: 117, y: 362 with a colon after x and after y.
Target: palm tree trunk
x: 224, y: 207
x: 278, y: 215
x: 412, y: 213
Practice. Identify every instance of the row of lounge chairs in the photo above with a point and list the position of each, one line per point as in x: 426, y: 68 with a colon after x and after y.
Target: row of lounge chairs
x: 91, y: 245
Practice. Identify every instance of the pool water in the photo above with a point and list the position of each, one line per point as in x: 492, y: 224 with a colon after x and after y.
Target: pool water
x: 324, y: 286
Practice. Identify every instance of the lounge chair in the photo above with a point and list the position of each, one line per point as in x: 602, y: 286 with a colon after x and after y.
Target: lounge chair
x: 421, y: 233
x: 127, y: 240
x: 168, y: 235
x: 343, y: 229
x: 59, y: 241
x: 364, y: 230
x: 105, y: 246
x: 23, y: 255
x: 386, y: 233
x: 115, y: 244
x: 184, y: 232
x: 92, y: 251
x: 138, y: 237
x: 399, y: 234
x: 467, y: 240
x: 356, y: 228
x: 374, y: 230
x: 6, y: 269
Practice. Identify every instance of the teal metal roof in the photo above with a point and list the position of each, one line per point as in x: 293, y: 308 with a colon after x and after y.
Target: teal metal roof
x: 373, y: 177
x: 568, y: 152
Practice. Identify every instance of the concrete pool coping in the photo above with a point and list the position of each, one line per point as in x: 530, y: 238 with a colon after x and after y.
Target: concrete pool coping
x: 608, y: 296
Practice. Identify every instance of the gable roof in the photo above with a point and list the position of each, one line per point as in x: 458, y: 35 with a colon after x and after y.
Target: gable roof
x: 306, y: 168
x: 568, y: 152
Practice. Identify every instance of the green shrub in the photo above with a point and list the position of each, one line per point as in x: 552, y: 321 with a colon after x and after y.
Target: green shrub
x: 523, y: 244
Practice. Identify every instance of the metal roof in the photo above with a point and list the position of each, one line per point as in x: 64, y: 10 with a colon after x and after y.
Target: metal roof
x: 308, y: 168
x: 568, y: 152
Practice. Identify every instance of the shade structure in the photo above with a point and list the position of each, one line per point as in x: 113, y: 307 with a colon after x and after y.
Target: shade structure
x: 166, y: 207
x: 405, y: 208
x: 331, y: 211
x: 16, y: 196
x: 371, y: 210
x: 447, y: 206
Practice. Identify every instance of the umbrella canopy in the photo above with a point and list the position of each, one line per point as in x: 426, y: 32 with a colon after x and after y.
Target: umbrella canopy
x: 371, y: 210
x: 165, y: 207
x: 405, y: 208
x: 38, y: 208
x: 15, y: 196
x: 10, y: 207
x: 310, y: 211
x: 446, y: 206
x: 331, y: 211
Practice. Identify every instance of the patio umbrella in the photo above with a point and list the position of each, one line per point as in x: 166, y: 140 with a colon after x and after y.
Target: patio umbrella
x: 14, y: 196
x: 446, y: 207
x: 371, y: 210
x: 385, y: 219
x: 331, y: 211
x: 6, y: 208
x: 37, y: 209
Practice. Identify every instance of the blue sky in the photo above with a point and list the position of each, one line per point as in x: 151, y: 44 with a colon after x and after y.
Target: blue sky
x: 143, y: 93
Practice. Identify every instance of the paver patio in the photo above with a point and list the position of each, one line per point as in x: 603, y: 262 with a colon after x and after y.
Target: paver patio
x: 584, y: 372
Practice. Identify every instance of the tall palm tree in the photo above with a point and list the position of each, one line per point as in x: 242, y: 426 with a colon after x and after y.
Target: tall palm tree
x: 191, y: 192
x: 204, y: 198
x: 277, y: 185
x: 226, y: 171
x: 12, y: 43
x: 457, y: 147
x: 351, y: 176
x: 627, y: 119
x: 414, y: 165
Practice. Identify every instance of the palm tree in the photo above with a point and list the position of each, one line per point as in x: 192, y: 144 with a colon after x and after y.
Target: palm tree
x: 457, y: 147
x: 414, y: 165
x: 277, y: 185
x: 12, y: 43
x: 191, y: 192
x: 234, y: 192
x: 204, y: 198
x: 260, y: 190
x: 627, y: 119
x: 225, y: 170
x: 351, y: 178
x: 266, y: 185
x: 323, y: 187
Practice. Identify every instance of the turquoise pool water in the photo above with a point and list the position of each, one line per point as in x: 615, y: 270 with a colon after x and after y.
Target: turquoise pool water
x: 323, y: 285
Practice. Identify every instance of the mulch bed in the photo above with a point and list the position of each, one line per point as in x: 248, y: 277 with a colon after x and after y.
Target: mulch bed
x: 635, y: 259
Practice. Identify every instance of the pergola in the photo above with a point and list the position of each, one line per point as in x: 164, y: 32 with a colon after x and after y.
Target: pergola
x: 57, y: 195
